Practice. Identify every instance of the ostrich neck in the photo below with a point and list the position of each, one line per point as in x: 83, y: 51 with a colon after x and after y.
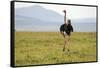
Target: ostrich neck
x: 65, y: 19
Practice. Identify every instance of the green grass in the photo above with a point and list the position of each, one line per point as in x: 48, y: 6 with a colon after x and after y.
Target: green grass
x: 35, y: 48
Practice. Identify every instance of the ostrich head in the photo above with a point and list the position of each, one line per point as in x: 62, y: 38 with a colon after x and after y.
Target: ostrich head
x: 69, y: 21
x: 64, y: 11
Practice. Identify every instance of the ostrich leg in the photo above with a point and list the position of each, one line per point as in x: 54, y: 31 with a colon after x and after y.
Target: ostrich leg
x: 65, y: 41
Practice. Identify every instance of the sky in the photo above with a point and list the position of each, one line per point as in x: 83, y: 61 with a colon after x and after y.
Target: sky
x: 73, y: 12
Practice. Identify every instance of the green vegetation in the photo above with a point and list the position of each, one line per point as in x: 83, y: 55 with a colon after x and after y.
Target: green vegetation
x: 35, y: 48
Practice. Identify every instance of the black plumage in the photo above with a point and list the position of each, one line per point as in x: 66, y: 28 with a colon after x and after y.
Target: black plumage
x: 67, y: 28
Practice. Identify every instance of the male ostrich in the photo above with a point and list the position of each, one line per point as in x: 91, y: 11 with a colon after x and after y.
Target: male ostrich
x: 66, y: 29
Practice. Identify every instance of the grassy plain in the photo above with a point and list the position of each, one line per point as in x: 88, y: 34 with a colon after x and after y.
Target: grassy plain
x: 36, y: 48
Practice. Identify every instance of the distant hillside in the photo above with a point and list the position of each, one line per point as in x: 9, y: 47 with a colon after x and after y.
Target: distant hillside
x: 39, y: 12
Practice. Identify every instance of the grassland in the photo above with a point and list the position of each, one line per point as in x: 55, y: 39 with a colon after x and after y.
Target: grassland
x: 35, y: 48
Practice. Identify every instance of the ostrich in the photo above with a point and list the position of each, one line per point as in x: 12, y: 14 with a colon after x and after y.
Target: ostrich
x: 66, y: 29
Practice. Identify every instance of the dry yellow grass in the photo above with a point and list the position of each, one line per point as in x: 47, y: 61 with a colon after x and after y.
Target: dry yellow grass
x: 35, y: 48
